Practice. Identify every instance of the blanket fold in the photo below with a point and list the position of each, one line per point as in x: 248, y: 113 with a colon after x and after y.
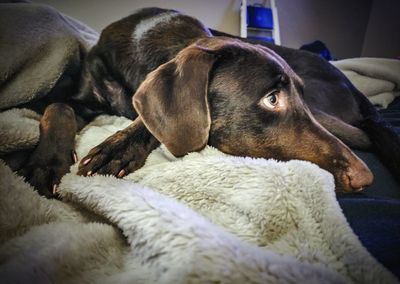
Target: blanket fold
x: 205, y: 217
x: 19, y: 130
x: 377, y: 78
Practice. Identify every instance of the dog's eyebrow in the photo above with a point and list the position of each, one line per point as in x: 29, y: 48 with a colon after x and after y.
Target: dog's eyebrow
x: 278, y: 79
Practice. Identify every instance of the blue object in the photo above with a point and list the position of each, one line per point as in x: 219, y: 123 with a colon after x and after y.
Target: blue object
x: 262, y: 38
x: 259, y: 17
x: 318, y: 47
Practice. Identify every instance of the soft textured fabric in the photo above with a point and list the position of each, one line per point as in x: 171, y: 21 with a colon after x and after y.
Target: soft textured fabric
x: 202, y: 218
x: 19, y: 130
x: 377, y: 78
x: 39, y: 47
x: 367, y: 216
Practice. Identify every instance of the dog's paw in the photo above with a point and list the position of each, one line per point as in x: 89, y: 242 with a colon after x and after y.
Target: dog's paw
x: 44, y: 171
x: 118, y: 155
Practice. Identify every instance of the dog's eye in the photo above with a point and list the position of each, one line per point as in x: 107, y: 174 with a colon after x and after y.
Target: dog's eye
x: 271, y: 99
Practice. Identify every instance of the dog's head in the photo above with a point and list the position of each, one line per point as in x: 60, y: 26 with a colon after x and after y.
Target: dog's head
x: 244, y: 100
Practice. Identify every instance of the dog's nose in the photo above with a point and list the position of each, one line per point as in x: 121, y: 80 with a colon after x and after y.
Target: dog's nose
x: 358, y: 174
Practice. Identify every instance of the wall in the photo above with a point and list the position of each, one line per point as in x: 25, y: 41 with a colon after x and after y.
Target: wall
x: 382, y: 38
x: 348, y: 28
x: 221, y: 14
x: 340, y: 24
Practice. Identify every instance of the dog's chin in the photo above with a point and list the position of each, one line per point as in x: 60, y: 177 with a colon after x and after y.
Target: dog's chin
x: 340, y: 188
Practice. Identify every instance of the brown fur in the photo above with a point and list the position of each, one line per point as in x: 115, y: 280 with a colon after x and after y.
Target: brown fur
x: 178, y: 103
x: 205, y: 89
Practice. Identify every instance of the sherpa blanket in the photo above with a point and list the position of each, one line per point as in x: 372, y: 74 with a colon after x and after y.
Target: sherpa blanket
x: 377, y: 78
x: 207, y: 217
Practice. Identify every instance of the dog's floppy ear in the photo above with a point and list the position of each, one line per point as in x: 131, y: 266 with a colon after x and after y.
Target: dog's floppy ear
x: 172, y: 101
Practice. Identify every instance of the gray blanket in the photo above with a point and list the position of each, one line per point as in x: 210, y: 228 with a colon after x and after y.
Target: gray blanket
x: 48, y: 48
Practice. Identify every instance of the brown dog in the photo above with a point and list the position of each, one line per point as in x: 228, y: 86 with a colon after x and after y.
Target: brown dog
x: 193, y: 89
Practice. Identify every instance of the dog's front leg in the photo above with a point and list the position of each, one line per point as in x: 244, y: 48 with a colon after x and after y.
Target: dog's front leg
x: 121, y: 153
x: 54, y: 154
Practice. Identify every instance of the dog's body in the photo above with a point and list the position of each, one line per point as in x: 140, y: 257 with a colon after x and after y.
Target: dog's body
x: 191, y: 89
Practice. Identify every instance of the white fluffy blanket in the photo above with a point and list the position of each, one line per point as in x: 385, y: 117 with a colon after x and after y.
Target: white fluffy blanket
x: 377, y: 78
x: 207, y: 217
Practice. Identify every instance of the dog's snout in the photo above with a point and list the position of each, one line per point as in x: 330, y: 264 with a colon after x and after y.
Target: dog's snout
x: 351, y: 173
x: 358, y: 174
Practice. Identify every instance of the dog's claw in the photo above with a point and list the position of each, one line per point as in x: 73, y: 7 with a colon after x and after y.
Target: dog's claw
x: 55, y: 189
x: 74, y: 157
x: 85, y: 162
x: 121, y: 173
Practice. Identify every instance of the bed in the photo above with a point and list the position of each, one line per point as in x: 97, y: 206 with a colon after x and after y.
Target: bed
x: 206, y: 217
